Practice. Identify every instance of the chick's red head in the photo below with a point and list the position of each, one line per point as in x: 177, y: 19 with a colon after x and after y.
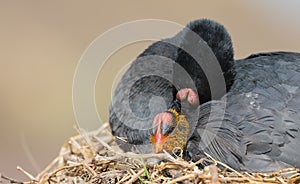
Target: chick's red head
x: 170, y: 130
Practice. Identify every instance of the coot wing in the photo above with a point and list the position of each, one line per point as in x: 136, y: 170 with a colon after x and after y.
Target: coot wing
x: 260, y: 130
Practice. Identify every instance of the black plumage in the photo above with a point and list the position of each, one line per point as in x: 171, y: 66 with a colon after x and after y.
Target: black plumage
x: 253, y: 124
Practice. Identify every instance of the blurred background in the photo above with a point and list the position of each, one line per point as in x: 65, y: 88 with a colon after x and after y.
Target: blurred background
x: 42, y: 42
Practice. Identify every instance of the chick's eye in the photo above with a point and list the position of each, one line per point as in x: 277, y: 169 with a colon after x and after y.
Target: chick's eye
x: 167, y: 128
x: 153, y: 130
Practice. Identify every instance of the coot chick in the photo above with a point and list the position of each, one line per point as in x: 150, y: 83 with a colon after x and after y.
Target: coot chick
x: 252, y: 125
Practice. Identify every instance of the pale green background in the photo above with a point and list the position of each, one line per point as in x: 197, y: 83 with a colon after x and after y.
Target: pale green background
x: 41, y: 43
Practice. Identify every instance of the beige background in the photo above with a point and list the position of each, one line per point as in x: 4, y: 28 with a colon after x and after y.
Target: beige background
x: 41, y: 44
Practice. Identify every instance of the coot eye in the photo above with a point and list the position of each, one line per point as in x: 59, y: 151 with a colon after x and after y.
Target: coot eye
x: 153, y: 130
x: 167, y: 128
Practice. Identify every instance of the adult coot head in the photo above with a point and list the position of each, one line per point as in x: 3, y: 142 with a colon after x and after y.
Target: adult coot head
x: 154, y: 82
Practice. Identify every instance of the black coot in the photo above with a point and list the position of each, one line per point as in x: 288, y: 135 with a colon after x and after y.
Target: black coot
x: 259, y: 128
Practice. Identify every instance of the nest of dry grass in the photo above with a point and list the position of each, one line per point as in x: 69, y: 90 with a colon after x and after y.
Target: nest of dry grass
x: 94, y: 157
